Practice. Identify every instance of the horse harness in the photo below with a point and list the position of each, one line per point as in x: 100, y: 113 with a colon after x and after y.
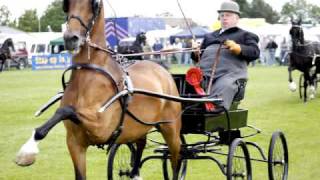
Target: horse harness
x: 124, y: 96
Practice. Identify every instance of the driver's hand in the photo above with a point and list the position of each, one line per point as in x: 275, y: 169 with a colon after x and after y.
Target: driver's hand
x: 234, y: 47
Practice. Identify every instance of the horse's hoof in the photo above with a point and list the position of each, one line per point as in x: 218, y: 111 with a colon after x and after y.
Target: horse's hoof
x: 137, y: 178
x: 27, y: 153
x: 292, y: 86
x: 25, y: 159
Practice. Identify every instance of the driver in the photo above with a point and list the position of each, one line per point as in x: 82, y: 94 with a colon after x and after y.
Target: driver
x: 240, y: 48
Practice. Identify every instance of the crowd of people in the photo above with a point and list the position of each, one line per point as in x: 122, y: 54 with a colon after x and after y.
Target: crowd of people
x: 267, y: 45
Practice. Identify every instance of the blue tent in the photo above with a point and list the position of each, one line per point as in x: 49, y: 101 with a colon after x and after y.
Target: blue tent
x: 197, y: 31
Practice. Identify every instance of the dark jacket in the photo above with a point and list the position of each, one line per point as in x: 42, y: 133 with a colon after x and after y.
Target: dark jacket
x: 272, y: 45
x: 248, y: 42
x: 231, y: 67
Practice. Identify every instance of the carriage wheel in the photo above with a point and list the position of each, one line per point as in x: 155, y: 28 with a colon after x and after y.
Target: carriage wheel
x: 278, y: 157
x: 238, y: 162
x: 121, y: 161
x: 301, y: 86
x: 167, y: 170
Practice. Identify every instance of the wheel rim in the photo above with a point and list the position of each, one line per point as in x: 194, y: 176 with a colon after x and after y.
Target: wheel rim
x: 123, y: 163
x: 278, y: 160
x: 166, y: 167
x: 278, y: 157
x: 167, y: 170
x: 238, y: 163
x: 239, y: 170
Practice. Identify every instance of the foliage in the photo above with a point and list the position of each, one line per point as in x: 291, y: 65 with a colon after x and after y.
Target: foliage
x: 244, y: 8
x: 29, y: 21
x: 301, y: 9
x: 258, y: 9
x: 53, y: 17
x: 271, y: 107
x: 4, y: 15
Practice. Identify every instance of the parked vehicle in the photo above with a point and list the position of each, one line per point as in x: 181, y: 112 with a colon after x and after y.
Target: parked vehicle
x: 19, y: 57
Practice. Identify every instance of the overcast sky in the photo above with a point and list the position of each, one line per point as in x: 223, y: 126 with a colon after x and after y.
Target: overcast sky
x: 202, y: 11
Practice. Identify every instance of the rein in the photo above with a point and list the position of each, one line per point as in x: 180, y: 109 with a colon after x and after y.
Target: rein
x: 214, y: 67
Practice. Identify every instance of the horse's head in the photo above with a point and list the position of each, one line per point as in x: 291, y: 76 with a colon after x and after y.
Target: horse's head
x: 296, y: 32
x: 82, y: 16
x: 141, y: 38
x: 7, y: 47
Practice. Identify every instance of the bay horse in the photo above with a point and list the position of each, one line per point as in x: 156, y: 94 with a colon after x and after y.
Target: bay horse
x: 136, y: 47
x: 305, y: 57
x: 96, y: 77
x: 6, y: 52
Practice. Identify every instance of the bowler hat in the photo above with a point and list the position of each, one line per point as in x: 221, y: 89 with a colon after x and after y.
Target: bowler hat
x: 229, y: 6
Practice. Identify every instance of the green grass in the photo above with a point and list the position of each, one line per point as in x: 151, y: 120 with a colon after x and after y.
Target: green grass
x: 271, y: 107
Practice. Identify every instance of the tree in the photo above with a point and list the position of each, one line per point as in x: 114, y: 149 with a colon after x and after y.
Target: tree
x: 53, y: 17
x: 315, y: 13
x: 29, y: 21
x: 300, y: 9
x: 4, y: 15
x: 244, y: 8
x: 260, y: 9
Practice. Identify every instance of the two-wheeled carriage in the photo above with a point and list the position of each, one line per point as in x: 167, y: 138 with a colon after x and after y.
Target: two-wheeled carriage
x: 218, y: 130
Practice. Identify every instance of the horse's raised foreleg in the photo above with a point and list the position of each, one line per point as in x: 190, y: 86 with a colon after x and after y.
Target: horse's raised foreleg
x: 292, y: 84
x: 141, y: 143
x: 27, y: 153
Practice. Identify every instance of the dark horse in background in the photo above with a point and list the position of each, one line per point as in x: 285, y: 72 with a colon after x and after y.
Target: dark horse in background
x: 136, y: 47
x: 6, y: 52
x: 305, y: 57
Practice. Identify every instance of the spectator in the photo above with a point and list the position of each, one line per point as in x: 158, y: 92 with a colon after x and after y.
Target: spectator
x: 271, y: 49
x: 284, y: 52
x: 177, y: 45
x: 157, y: 46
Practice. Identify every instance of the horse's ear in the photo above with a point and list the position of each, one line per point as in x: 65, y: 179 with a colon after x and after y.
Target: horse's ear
x: 300, y: 20
x: 65, y: 6
x: 291, y: 19
x: 95, y: 7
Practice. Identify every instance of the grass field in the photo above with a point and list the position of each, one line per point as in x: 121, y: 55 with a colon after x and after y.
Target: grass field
x: 271, y: 107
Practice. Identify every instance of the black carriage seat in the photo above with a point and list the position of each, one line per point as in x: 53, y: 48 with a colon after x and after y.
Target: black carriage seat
x: 240, y: 94
x: 195, y: 118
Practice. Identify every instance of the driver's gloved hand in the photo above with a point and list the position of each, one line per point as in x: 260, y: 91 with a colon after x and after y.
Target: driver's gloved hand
x: 234, y: 47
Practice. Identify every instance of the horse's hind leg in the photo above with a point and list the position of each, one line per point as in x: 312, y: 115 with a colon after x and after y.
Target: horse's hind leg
x: 27, y: 154
x: 171, y: 134
x: 141, y: 143
x: 172, y: 138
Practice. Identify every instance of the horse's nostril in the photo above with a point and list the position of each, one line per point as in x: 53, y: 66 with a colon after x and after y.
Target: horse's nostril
x: 71, y: 37
x: 74, y: 38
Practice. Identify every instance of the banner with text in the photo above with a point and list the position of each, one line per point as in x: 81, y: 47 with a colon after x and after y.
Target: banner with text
x: 51, y: 62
